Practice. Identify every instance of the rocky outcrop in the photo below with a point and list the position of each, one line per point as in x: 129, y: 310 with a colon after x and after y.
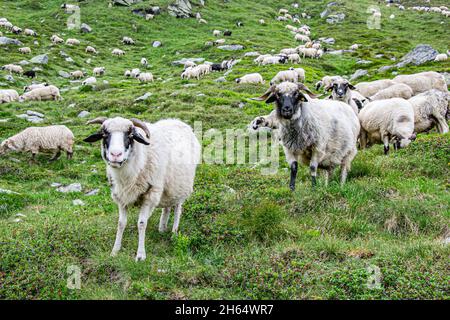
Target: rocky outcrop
x: 180, y: 9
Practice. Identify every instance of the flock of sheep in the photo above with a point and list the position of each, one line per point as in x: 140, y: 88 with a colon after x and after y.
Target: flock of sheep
x: 154, y: 164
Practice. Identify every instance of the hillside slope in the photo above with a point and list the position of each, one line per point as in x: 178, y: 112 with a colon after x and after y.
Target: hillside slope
x: 243, y: 234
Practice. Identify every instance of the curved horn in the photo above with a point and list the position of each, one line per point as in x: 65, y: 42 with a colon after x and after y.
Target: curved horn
x: 98, y: 120
x: 138, y: 123
x: 264, y: 96
x: 301, y: 86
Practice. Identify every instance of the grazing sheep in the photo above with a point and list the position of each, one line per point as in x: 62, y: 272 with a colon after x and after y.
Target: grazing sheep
x: 41, y: 94
x: 188, y: 64
x: 16, y: 30
x: 90, y: 49
x: 261, y: 21
x: 286, y: 75
x: 30, y: 74
x: 431, y: 109
x: 288, y: 51
x: 29, y: 32
x: 282, y: 18
x: 368, y: 89
x: 157, y: 170
x: 216, y: 33
x: 13, y: 68
x: 118, y: 52
x: 383, y: 121
x: 31, y: 87
x: 423, y: 81
x: 78, y: 74
x: 25, y: 50
x: 127, y: 73
x: 301, y: 74
x: 35, y: 139
x: 294, y: 58
x: 319, y: 133
x: 302, y: 38
x: 227, y: 33
x: 7, y: 25
x: 89, y: 81
x: 191, y: 72
x: 72, y: 42
x: 251, y: 78
x: 135, y: 72
x: 128, y: 40
x: 145, y: 77
x: 399, y: 90
x: 219, y: 42
x: 441, y: 57
x: 55, y: 39
x: 274, y: 60
x: 99, y: 71
x: 144, y: 62
x: 8, y: 95
x: 149, y: 16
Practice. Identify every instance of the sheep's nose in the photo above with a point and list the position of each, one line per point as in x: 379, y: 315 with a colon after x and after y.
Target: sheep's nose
x: 116, y: 154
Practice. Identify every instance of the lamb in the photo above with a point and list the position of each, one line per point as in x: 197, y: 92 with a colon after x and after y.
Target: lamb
x: 118, y: 52
x: 319, y: 133
x: 369, y: 89
x: 157, y: 170
x: 90, y: 49
x: 273, y: 60
x: 25, y: 50
x: 29, y: 32
x: 144, y: 62
x: 399, y: 90
x: 72, y: 42
x: 55, y: 39
x: 251, y: 78
x: 78, y: 74
x: 191, y: 72
x: 7, y: 25
x: 441, y: 57
x: 31, y: 87
x: 34, y: 139
x: 8, y: 95
x: 99, y: 71
x: 13, y: 68
x: 89, y: 81
x: 46, y: 93
x: 388, y: 120
x: 188, y: 64
x: 145, y: 77
x: 128, y: 40
x: 423, y: 81
x: 216, y: 33
x: 431, y: 109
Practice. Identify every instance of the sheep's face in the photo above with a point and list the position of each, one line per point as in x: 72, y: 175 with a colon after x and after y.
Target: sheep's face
x: 5, y: 147
x: 118, y: 136
x: 340, y: 89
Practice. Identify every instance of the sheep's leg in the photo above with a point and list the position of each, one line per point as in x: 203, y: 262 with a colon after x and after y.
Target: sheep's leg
x: 385, y: 139
x: 313, y: 165
x: 442, y: 125
x: 56, y: 155
x: 145, y: 213
x: 176, y: 220
x: 362, y: 139
x: 294, y: 168
x: 164, y: 219
x: 120, y: 228
x: 69, y: 155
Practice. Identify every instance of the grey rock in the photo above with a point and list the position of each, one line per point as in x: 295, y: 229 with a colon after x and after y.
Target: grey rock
x: 447, y: 77
x: 83, y: 114
x: 336, y: 18
x: 74, y: 187
x: 379, y: 56
x: 6, y: 191
x: 419, y: 55
x: 64, y: 74
x: 251, y: 54
x: 358, y: 74
x: 180, y: 9
x: 184, y: 60
x: 363, y: 62
x: 24, y: 63
x: 92, y: 192
x: 34, y: 119
x: 55, y: 184
x: 85, y: 28
x: 335, y: 52
x: 231, y: 47
x: 189, y: 85
x: 125, y: 2
x: 63, y: 54
x: 329, y: 41
x: 78, y: 202
x: 34, y: 113
x: 156, y: 44
x: 6, y: 41
x: 143, y: 97
x: 221, y: 79
x: 88, y: 61
x: 69, y: 59
x: 40, y: 59
x: 228, y: 72
x: 9, y: 77
x: 385, y: 68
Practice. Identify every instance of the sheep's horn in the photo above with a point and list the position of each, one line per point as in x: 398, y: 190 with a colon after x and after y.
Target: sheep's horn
x: 301, y: 86
x: 138, y: 123
x: 99, y: 120
x: 264, y: 96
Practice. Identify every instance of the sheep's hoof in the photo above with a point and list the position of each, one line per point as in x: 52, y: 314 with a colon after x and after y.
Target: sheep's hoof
x: 140, y: 256
x: 114, y: 253
x: 292, y: 187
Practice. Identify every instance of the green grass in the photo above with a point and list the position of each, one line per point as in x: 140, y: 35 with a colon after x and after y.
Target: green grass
x: 259, y: 242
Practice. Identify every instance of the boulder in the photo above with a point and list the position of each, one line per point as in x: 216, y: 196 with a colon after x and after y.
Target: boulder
x: 184, y: 60
x: 231, y: 47
x: 143, y: 97
x: 358, y: 74
x: 6, y: 41
x: 180, y: 9
x: 336, y: 18
x: 421, y: 54
x: 251, y: 54
x: 85, y: 28
x: 74, y: 187
x: 64, y: 74
x: 40, y: 59
x: 83, y: 114
x: 125, y: 2
x: 156, y: 44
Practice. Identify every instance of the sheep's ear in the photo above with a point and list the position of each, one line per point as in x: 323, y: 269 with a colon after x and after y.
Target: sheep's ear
x: 271, y: 99
x: 265, y: 97
x: 352, y: 87
x: 94, y: 137
x: 329, y: 88
x: 138, y: 138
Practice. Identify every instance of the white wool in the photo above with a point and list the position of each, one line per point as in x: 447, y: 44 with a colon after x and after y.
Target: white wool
x: 78, y: 74
x: 368, y: 89
x: 89, y: 81
x: 118, y: 52
x: 430, y: 109
x: 399, y: 90
x: 286, y: 75
x: 55, y: 39
x: 145, y: 77
x: 8, y: 95
x: 39, y: 94
x: 33, y: 86
x: 98, y: 71
x: 90, y: 49
x: 13, y: 68
x: 294, y: 58
x: 72, y: 42
x: 441, y: 57
x: 423, y: 81
x: 29, y: 32
x: 251, y: 78
x: 127, y: 40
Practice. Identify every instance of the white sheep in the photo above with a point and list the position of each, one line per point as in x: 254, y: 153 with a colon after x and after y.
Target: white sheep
x: 251, y: 78
x: 41, y: 139
x: 354, y: 47
x: 29, y: 32
x: 33, y: 86
x: 383, y: 121
x: 191, y: 72
x: 145, y: 77
x: 72, y: 42
x: 16, y: 30
x: 89, y: 81
x: 157, y: 170
x: 216, y: 33
x: 55, y: 39
x: 262, y: 21
x: 441, y: 57
x: 99, y: 71
x: 399, y: 90
x: 13, y: 68
x: 431, y: 109
x: 318, y: 133
x: 90, y: 49
x: 128, y: 40
x: 8, y: 95
x: 127, y: 73
x: 149, y: 16
x: 294, y: 58
x: 368, y: 89
x: 301, y: 74
x: 25, y: 50
x: 77, y: 74
x: 188, y: 64
x: 118, y: 52
x: 135, y: 72
x: 341, y: 90
x: 302, y: 37
x: 144, y: 62
x: 288, y: 51
x: 40, y: 94
x: 285, y: 75
x: 423, y: 81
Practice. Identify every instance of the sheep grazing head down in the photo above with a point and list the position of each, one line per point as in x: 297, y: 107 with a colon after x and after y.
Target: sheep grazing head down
x: 340, y: 89
x: 118, y: 136
x: 288, y: 98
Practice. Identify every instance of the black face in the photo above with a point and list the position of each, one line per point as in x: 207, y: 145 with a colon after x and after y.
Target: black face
x: 287, y: 105
x: 340, y: 89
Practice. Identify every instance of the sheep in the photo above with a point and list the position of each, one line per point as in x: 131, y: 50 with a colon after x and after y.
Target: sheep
x: 8, y: 95
x: 430, y: 109
x: 89, y: 81
x: 291, y: 28
x: 46, y: 93
x: 399, y: 90
x: 441, y: 57
x: 127, y: 73
x: 202, y: 21
x: 326, y: 81
x: 55, y: 39
x: 191, y: 72
x: 31, y: 87
x: 294, y: 58
x: 274, y: 60
x: 227, y: 33
x: 319, y: 133
x: 72, y: 42
x: 216, y: 33
x: 283, y: 11
x: 204, y: 68
x: 219, y: 41
x: 13, y: 68
x: 157, y: 170
x: 302, y: 38
x: 149, y: 16
x: 262, y: 21
x: 29, y: 32
x: 144, y: 62
x: 69, y: 8
x: 99, y: 71
x: 188, y: 64
x: 78, y: 74
x: 25, y: 50
x: 135, y: 72
x: 301, y: 73
x: 354, y: 47
x: 309, y: 52
x: 30, y: 74
x: 260, y: 58
x: 128, y: 40
x: 423, y: 81
x: 388, y: 120
x: 281, y: 18
x: 341, y: 90
x: 16, y: 30
x: 288, y: 51
x: 90, y: 49
x: 118, y: 52
x: 250, y: 78
x: 145, y: 77
x: 369, y: 89
x: 47, y: 139
x: 286, y: 75
x: 7, y: 25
